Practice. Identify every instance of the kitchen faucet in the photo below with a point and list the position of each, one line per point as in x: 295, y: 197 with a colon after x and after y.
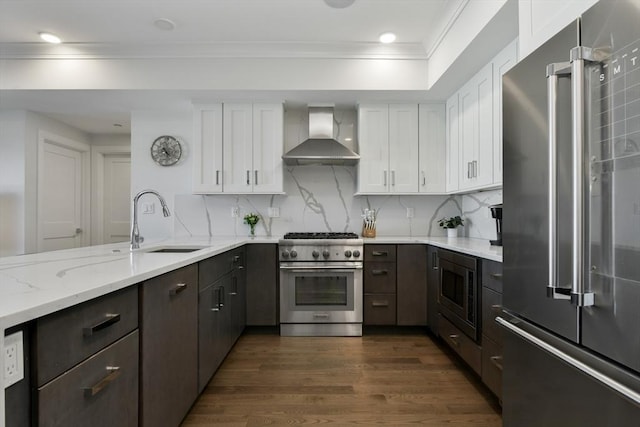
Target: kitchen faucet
x: 136, y: 238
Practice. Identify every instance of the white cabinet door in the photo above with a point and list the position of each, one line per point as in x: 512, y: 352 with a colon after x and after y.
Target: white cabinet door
x: 452, y: 180
x: 268, y: 136
x: 403, y: 148
x: 502, y: 63
x: 207, y: 149
x: 483, y: 166
x: 468, y: 116
x: 432, y: 148
x: 373, y: 141
x: 237, y: 148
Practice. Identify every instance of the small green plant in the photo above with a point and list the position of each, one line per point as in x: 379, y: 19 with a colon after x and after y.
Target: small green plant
x: 451, y: 222
x: 251, y: 219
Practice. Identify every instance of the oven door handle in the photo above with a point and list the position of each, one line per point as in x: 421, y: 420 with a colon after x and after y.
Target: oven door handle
x: 340, y: 269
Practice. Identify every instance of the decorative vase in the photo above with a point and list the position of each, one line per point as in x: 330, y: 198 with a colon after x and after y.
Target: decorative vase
x: 452, y: 232
x: 252, y: 231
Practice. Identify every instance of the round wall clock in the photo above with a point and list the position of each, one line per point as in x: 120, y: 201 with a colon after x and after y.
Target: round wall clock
x: 166, y: 150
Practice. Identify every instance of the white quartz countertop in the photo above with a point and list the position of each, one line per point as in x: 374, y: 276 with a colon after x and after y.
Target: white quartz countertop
x: 35, y: 285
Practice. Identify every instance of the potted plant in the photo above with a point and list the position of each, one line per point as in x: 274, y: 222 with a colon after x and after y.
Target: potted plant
x: 450, y: 224
x: 252, y: 219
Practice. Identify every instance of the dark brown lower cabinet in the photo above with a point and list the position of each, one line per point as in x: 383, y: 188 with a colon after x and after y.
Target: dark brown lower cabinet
x: 100, y: 391
x: 262, y: 284
x: 433, y: 285
x: 411, y: 285
x: 169, y: 345
x: 468, y: 350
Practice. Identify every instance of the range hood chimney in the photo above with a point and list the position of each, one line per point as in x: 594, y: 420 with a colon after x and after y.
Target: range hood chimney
x: 320, y: 148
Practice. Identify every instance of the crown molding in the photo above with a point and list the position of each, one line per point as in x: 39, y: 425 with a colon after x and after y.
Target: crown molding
x: 397, y: 51
x: 454, y: 14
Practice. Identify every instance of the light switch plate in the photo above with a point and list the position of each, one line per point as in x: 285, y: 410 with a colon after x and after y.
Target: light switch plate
x: 13, y: 354
x: 148, y: 208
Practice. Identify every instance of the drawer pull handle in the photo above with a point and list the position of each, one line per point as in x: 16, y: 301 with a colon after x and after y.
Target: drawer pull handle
x: 454, y: 339
x: 380, y: 253
x: 379, y: 272
x: 320, y: 315
x: 497, y: 308
x: 236, y: 258
x: 110, y: 319
x: 114, y: 372
x: 497, y: 361
x: 380, y: 304
x: 179, y: 288
x: 497, y: 276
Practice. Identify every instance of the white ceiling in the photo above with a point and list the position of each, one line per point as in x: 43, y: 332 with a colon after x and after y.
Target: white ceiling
x: 252, y: 25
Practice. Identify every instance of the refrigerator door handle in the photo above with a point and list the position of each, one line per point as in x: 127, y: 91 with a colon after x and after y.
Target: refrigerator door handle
x: 616, y: 386
x: 554, y: 72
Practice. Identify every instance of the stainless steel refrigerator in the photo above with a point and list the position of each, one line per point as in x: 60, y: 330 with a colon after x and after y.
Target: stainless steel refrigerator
x: 571, y: 226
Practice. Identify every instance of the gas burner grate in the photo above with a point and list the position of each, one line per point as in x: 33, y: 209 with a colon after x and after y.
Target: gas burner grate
x: 321, y: 235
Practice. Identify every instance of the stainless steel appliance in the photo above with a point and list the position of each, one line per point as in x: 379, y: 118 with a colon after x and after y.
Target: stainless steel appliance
x: 496, y: 213
x: 458, y: 296
x: 321, y: 284
x: 571, y: 229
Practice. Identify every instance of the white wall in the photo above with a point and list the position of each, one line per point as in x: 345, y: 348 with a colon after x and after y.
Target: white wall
x: 12, y: 182
x: 475, y: 211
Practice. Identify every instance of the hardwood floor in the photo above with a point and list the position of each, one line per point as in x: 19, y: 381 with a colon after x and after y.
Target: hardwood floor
x: 379, y: 379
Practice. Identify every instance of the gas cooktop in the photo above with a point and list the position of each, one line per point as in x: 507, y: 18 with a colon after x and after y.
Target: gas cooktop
x: 321, y: 235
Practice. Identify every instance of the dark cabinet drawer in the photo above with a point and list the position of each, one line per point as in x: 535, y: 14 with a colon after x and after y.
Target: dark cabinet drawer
x: 380, y: 309
x: 212, y: 269
x: 380, y: 253
x: 491, y: 307
x: 492, y: 275
x: 101, y: 391
x: 380, y: 278
x: 468, y: 350
x: 65, y: 338
x: 492, y: 365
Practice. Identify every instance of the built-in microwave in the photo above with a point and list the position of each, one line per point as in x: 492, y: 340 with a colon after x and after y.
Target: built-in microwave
x: 458, y: 293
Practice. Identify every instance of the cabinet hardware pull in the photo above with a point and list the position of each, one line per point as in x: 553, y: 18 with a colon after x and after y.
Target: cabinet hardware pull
x: 321, y: 315
x: 393, y: 178
x: 379, y: 272
x: 475, y: 168
x: 497, y: 276
x: 218, y: 305
x: 236, y: 258
x: 380, y: 304
x: 497, y: 361
x: 469, y: 170
x: 248, y: 177
x: 217, y: 177
x: 114, y: 372
x: 424, y: 179
x: 385, y: 178
x: 380, y: 253
x: 240, y: 267
x: 110, y: 319
x: 179, y: 288
x: 497, y: 308
x: 434, y: 260
x: 255, y: 177
x: 222, y: 298
x: 454, y: 339
x: 234, y: 292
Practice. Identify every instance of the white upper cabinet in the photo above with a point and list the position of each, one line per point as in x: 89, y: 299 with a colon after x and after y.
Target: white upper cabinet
x: 452, y: 183
x: 432, y: 148
x: 238, y: 148
x: 539, y: 20
x: 476, y: 130
x: 388, y: 141
x: 502, y: 63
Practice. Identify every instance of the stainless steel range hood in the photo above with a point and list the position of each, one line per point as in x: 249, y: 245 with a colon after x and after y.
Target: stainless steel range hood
x: 320, y: 148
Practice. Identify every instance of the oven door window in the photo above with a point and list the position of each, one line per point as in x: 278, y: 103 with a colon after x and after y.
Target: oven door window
x: 453, y: 287
x: 321, y: 291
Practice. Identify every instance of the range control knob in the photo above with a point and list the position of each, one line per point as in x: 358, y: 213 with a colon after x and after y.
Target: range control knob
x: 294, y: 254
x: 315, y: 254
x: 356, y: 253
x: 285, y: 254
x: 347, y: 253
x: 325, y: 253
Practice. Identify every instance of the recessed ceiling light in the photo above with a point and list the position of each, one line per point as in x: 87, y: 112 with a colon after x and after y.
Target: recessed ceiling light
x: 387, y: 38
x: 50, y: 38
x: 164, y: 24
x: 339, y: 4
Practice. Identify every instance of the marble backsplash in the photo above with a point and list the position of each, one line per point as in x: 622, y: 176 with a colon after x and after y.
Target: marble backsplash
x: 322, y: 198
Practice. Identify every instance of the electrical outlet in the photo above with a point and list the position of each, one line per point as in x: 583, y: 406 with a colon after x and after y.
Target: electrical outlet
x: 148, y: 208
x: 13, y: 359
x: 410, y: 212
x: 274, y: 213
x: 235, y: 211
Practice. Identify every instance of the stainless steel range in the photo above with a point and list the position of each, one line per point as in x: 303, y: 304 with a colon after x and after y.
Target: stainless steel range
x: 321, y: 284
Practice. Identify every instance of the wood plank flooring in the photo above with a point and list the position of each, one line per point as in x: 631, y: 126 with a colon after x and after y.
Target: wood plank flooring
x: 379, y: 379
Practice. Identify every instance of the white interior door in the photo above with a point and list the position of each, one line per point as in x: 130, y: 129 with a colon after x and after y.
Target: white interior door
x: 62, y: 188
x: 117, y: 186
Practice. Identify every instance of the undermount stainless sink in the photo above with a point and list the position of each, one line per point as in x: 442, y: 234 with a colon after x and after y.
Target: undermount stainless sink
x: 175, y: 249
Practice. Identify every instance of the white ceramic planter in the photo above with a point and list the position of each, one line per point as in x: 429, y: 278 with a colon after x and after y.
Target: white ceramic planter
x: 452, y: 232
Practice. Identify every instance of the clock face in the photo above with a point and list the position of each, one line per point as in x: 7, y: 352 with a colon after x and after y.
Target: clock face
x: 166, y: 150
